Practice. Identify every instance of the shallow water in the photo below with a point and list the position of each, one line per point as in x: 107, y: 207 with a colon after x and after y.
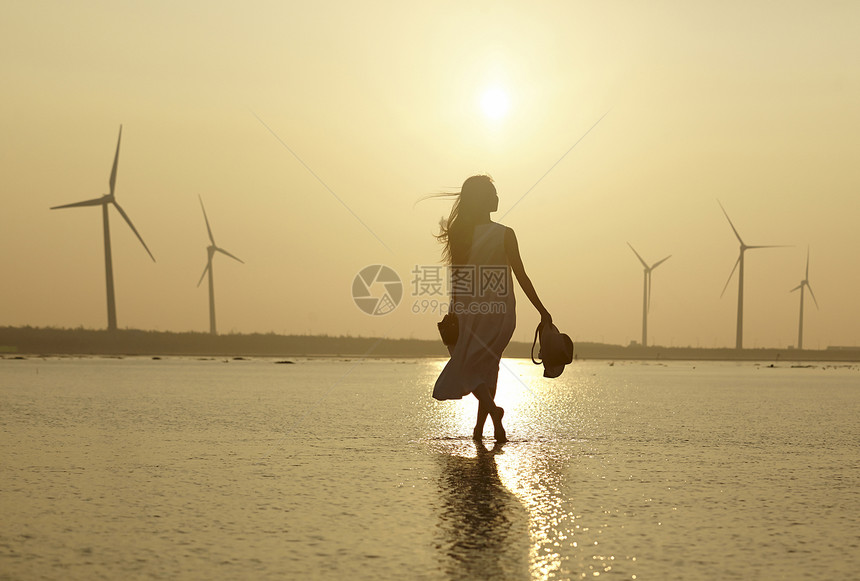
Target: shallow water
x: 330, y: 469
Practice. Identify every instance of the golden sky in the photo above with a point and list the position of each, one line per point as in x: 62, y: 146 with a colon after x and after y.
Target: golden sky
x: 751, y: 103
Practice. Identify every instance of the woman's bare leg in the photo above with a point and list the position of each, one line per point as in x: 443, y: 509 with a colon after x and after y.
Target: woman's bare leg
x: 483, y: 412
x: 485, y: 401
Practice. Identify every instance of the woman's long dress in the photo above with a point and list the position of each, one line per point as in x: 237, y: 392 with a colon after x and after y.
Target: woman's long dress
x: 487, y: 316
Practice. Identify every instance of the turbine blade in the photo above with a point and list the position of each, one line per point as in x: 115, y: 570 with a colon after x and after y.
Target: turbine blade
x: 807, y: 264
x: 735, y: 230
x: 645, y: 264
x: 659, y: 262
x: 738, y: 261
x: 812, y: 293
x: 133, y: 229
x: 208, y: 229
x: 222, y: 251
x: 798, y: 287
x: 115, y: 163
x: 205, y: 270
x: 94, y: 202
x: 770, y: 246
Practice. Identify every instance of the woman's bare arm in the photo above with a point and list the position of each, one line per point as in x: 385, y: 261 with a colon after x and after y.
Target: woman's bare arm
x: 512, y: 250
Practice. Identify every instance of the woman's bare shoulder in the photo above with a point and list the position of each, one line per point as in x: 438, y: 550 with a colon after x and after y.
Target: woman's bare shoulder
x: 509, y: 232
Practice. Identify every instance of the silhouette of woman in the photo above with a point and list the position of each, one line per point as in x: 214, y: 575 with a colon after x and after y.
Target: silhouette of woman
x: 482, y: 255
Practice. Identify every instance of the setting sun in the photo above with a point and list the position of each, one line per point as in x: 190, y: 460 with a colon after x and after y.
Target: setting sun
x: 495, y: 103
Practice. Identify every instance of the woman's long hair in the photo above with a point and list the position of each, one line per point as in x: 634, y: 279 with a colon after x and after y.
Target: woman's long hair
x: 470, y: 204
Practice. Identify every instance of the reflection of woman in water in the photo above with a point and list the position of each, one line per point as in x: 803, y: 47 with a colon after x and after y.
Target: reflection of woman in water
x: 482, y: 255
x: 484, y: 526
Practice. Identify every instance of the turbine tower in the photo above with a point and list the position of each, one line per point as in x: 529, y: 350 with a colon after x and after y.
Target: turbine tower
x: 739, y: 338
x: 104, y: 202
x: 646, y: 291
x: 211, y: 250
x: 803, y: 283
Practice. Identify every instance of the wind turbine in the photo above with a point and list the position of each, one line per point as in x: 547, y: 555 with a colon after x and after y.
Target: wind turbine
x: 104, y: 201
x: 211, y: 250
x: 803, y: 283
x: 740, y: 261
x: 646, y: 292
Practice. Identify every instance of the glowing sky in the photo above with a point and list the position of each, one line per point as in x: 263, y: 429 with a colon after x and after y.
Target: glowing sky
x: 751, y: 103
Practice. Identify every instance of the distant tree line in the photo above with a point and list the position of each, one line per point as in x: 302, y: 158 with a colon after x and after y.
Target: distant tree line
x: 57, y: 341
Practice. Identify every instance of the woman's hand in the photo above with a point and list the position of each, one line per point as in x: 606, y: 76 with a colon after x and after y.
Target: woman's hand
x: 545, y: 318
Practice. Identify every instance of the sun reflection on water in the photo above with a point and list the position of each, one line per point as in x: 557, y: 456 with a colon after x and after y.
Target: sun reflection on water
x: 526, y: 475
x: 549, y: 467
x: 564, y: 543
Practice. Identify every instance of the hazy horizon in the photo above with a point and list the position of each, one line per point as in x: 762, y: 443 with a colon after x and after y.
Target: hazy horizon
x: 751, y: 104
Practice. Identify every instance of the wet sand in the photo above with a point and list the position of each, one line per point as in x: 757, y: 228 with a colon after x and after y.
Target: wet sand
x: 331, y: 469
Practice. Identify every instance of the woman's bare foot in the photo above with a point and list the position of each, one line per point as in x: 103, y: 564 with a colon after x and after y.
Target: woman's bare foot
x: 499, y: 429
x: 477, y: 434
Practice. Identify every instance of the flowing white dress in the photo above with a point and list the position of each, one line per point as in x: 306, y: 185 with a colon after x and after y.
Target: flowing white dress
x: 487, y: 316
